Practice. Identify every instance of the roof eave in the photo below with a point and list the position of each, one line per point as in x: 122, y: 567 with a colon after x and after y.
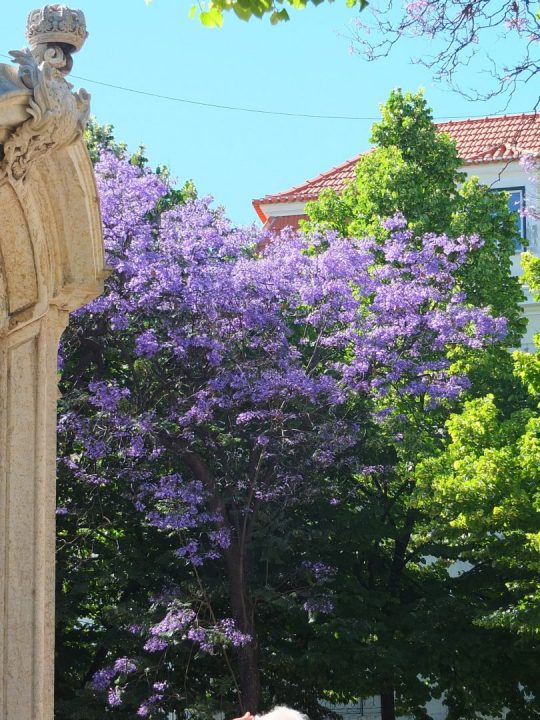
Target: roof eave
x: 263, y: 217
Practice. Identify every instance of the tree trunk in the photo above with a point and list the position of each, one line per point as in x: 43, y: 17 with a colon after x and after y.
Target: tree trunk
x: 250, y: 682
x: 388, y: 708
x: 243, y: 615
x: 249, y: 678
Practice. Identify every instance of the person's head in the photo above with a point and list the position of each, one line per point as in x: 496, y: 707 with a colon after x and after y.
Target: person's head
x: 281, y: 712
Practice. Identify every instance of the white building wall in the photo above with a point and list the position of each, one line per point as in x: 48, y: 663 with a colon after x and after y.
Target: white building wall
x: 512, y: 175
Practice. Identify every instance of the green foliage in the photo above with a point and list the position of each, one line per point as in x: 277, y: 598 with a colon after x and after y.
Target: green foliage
x: 531, y: 273
x: 483, y: 491
x: 412, y: 168
x: 211, y: 13
x: 449, y: 482
x: 100, y: 138
x: 247, y: 9
x: 487, y: 278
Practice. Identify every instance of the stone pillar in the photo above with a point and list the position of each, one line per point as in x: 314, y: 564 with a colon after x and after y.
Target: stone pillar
x: 51, y: 262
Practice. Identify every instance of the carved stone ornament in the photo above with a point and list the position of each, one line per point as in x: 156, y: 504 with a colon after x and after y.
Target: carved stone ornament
x: 55, y: 32
x: 56, y: 115
x: 57, y: 24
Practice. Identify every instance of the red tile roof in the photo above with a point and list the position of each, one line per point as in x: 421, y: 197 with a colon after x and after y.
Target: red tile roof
x: 480, y: 140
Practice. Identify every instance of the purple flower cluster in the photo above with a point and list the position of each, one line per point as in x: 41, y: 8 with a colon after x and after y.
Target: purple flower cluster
x: 153, y: 700
x: 320, y: 571
x: 175, y: 620
x: 155, y: 645
x: 114, y: 697
x: 103, y: 678
x: 516, y: 23
x: 125, y: 665
x: 252, y: 361
x: 231, y: 633
x: 106, y: 396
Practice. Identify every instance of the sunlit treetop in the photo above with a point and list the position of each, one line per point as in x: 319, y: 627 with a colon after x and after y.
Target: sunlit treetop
x: 211, y: 13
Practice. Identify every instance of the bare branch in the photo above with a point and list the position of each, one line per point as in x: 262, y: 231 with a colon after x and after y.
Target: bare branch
x: 461, y: 31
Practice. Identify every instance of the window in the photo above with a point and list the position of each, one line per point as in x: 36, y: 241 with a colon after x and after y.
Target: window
x: 516, y: 202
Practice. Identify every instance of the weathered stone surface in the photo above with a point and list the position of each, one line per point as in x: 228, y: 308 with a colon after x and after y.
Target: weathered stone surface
x: 51, y: 262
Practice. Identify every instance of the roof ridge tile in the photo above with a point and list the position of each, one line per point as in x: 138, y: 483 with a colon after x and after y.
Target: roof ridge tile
x: 485, y: 139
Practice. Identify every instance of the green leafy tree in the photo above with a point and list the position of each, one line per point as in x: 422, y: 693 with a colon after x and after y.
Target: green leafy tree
x: 410, y: 605
x: 481, y: 493
x: 211, y: 13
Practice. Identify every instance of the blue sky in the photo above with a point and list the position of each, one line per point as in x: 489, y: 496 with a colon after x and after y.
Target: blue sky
x: 303, y: 66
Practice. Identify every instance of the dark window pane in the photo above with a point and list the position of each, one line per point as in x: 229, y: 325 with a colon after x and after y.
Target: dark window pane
x: 515, y: 204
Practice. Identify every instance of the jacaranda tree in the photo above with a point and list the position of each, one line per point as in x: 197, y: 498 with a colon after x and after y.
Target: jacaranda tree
x: 462, y: 34
x: 214, y: 397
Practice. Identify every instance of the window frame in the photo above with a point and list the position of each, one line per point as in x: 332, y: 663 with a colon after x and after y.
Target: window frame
x: 521, y: 189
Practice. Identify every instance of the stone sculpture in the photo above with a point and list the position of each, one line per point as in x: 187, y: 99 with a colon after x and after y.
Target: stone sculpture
x: 51, y: 262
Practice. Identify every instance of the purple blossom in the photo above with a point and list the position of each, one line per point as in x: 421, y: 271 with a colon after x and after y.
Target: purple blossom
x: 221, y: 538
x: 199, y: 636
x: 516, y: 23
x: 114, y: 697
x: 147, y: 344
x: 175, y: 620
x: 106, y: 396
x: 398, y: 220
x: 102, y: 679
x: 155, y: 644
x: 416, y: 7
x: 145, y: 708
x: 124, y: 665
x: 320, y: 570
x: 136, y: 448
x: 528, y: 162
x: 232, y: 634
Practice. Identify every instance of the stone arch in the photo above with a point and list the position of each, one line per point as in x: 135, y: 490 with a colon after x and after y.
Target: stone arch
x: 51, y: 262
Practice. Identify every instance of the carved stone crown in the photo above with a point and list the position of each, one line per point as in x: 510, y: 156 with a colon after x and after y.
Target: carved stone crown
x: 57, y: 25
